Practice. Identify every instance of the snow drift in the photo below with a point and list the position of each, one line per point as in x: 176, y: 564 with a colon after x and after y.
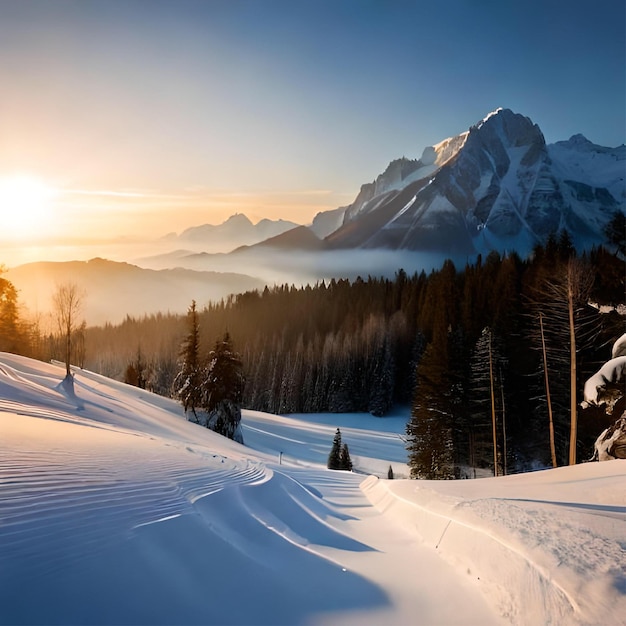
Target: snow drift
x: 115, y: 510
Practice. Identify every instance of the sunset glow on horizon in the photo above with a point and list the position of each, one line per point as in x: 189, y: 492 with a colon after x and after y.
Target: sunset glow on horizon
x: 150, y: 118
x: 27, y: 207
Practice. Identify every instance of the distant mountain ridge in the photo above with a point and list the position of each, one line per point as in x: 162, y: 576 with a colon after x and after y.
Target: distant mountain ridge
x: 236, y: 231
x: 114, y: 290
x: 496, y: 186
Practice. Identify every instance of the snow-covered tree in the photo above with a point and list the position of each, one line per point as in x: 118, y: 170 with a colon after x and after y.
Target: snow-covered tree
x: 188, y: 381
x: 222, y: 389
x: 339, y: 456
x: 606, y: 389
x: 334, y: 457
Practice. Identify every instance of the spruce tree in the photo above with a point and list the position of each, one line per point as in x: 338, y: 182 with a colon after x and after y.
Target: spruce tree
x: 222, y: 389
x: 188, y: 381
x: 334, y: 458
x: 431, y: 429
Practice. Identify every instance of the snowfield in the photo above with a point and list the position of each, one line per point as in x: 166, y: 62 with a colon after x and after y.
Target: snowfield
x: 115, y: 510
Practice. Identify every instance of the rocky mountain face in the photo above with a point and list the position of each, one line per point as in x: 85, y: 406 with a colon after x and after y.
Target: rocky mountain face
x: 497, y: 186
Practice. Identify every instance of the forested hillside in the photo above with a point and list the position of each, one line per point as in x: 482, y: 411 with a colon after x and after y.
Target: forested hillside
x: 464, y: 347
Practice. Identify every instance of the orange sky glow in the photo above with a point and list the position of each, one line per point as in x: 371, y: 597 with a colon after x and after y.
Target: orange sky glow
x: 97, y: 214
x: 136, y: 119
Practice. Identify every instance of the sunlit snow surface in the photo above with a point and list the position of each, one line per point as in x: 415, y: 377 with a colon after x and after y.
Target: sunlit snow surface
x: 115, y: 510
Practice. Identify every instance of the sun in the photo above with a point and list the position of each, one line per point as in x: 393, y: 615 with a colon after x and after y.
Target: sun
x: 25, y: 207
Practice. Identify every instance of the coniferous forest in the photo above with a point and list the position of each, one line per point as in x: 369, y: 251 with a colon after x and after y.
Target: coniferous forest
x: 481, y: 354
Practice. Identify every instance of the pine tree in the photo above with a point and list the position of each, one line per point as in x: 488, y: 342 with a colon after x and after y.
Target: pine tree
x: 188, y: 381
x: 222, y: 389
x: 11, y: 339
x: 334, y: 458
x: 431, y: 429
x: 390, y: 473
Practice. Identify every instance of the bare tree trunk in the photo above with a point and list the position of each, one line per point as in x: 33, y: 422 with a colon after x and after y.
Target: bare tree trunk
x: 493, y: 412
x: 504, y: 450
x: 68, y: 348
x: 67, y: 302
x: 548, y: 400
x: 572, y: 343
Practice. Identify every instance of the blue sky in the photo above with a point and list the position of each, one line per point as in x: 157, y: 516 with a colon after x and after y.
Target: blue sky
x: 283, y: 108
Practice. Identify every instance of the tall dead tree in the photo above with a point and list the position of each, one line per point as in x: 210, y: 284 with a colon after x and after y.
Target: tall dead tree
x: 561, y: 301
x: 548, y: 399
x: 493, y: 410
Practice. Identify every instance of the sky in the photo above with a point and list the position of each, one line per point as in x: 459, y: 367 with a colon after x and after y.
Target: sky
x: 144, y: 117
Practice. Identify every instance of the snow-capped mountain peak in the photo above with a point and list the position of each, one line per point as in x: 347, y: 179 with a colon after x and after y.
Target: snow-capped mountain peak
x: 488, y: 116
x: 496, y: 186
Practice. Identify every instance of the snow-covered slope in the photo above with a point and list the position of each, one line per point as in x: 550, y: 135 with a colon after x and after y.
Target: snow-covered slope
x: 115, y: 510
x: 497, y: 186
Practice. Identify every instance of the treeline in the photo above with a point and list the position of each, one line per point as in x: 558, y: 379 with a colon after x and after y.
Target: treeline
x: 428, y: 340
x: 18, y: 334
x: 23, y: 334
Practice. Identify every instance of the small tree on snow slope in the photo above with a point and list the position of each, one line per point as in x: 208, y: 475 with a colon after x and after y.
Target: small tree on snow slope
x: 339, y: 457
x: 334, y: 458
x: 67, y: 303
x: 222, y: 389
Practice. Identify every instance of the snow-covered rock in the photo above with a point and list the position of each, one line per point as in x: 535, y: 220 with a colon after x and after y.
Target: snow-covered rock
x: 605, y: 388
x: 611, y: 444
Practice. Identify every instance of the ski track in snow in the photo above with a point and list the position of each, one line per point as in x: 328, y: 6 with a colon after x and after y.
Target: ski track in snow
x: 114, y: 509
